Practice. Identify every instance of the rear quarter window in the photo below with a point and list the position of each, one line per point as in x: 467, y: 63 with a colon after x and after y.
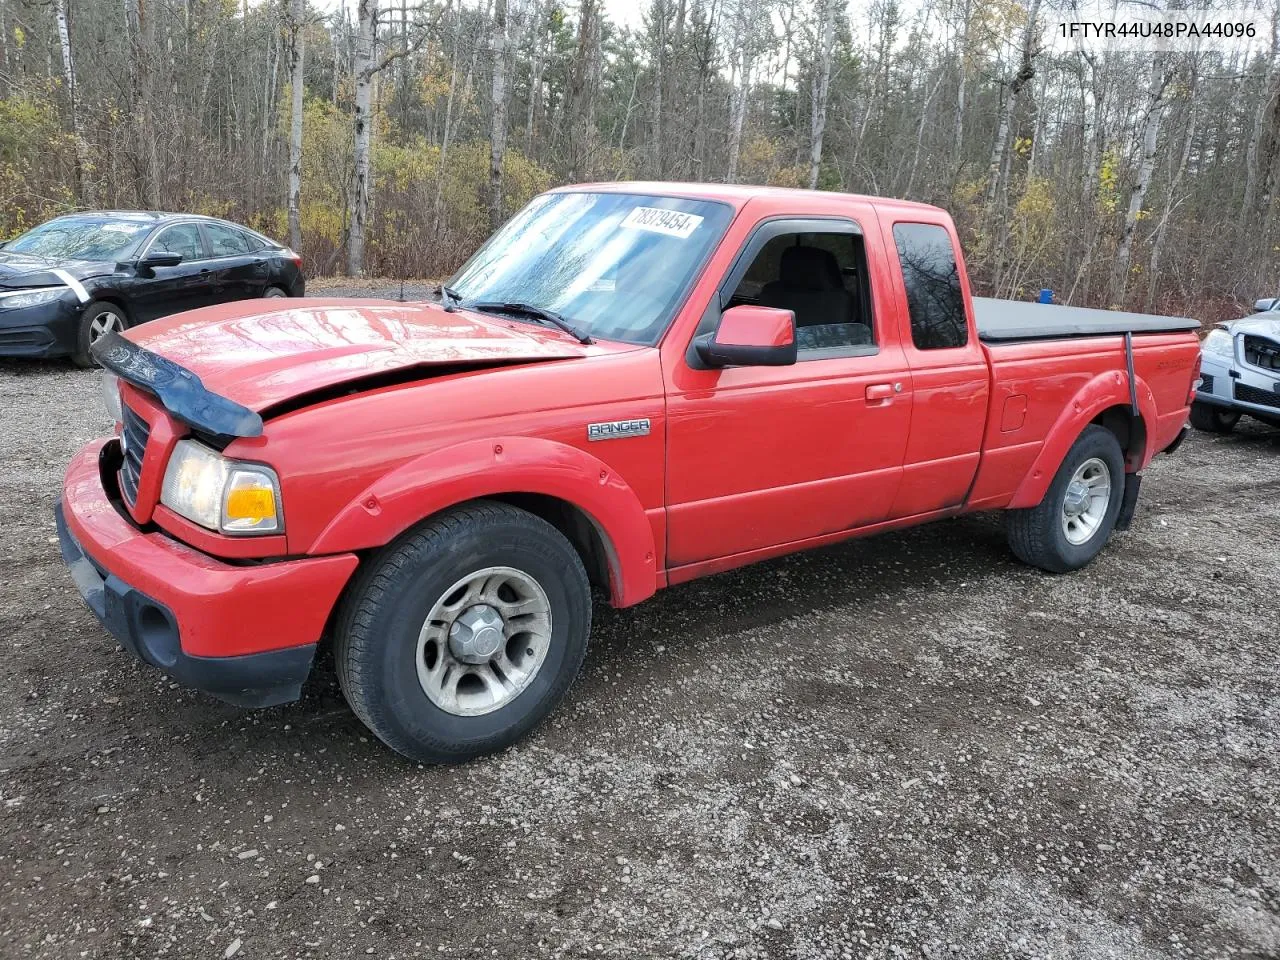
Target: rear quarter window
x: 932, y: 280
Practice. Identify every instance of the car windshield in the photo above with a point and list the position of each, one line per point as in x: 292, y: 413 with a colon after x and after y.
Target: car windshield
x: 614, y: 265
x: 81, y: 238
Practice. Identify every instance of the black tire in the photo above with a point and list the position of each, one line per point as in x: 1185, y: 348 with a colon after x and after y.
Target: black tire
x: 96, y: 314
x: 376, y: 641
x: 1036, y: 535
x: 272, y: 292
x: 1211, y: 419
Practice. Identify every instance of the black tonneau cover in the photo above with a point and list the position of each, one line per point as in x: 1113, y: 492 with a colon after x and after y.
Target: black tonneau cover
x: 1001, y: 321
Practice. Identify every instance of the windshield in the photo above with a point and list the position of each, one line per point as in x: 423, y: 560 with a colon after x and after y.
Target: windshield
x: 614, y: 265
x: 81, y: 238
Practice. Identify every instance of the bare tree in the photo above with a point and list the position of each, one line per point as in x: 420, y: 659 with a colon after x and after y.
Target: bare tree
x: 1147, y: 138
x: 498, y: 128
x: 297, y: 92
x: 84, y: 174
x: 364, y: 71
x: 1026, y: 71
x: 583, y: 82
x: 1161, y: 232
x: 365, y: 68
x: 540, y: 16
x: 1050, y: 159
x: 746, y: 26
x: 821, y: 85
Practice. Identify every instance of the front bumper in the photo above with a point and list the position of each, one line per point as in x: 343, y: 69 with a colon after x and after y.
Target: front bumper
x: 245, y: 633
x: 45, y: 330
x: 1238, y: 387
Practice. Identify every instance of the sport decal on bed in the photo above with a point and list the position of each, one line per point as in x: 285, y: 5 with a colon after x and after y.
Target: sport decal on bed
x: 656, y: 220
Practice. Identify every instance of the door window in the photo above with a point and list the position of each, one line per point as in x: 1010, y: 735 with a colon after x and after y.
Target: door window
x: 226, y: 241
x: 822, y: 279
x: 932, y: 281
x: 182, y: 239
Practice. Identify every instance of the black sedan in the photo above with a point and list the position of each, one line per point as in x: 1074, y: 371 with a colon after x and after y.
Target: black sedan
x: 67, y: 282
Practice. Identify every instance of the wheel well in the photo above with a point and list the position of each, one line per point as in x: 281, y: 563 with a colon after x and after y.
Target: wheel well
x: 577, y: 526
x: 1129, y: 430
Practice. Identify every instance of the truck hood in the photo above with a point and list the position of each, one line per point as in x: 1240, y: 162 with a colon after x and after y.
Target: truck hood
x: 259, y: 356
x: 1265, y: 324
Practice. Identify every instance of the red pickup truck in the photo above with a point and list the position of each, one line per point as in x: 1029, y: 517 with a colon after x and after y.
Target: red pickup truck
x: 628, y: 386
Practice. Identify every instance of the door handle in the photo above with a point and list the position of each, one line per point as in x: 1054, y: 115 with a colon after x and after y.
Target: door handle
x: 880, y: 392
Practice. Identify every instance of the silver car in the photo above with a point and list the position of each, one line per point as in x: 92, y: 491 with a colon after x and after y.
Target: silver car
x: 1240, y: 371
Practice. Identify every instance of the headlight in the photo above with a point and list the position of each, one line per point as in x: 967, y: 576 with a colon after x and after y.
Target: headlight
x: 1219, y: 343
x: 12, y: 299
x: 220, y: 494
x: 111, y: 396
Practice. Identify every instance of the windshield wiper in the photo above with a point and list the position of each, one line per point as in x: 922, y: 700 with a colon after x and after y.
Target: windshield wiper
x: 448, y: 298
x: 529, y: 310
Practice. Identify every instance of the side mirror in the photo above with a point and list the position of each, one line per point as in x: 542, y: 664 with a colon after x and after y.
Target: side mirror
x: 1262, y: 306
x: 153, y: 260
x: 750, y: 336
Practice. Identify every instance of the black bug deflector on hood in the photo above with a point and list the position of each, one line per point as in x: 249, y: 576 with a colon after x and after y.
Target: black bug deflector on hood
x: 180, y: 390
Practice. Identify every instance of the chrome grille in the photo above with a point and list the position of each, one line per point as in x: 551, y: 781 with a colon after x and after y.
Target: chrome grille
x: 133, y: 442
x: 1261, y: 352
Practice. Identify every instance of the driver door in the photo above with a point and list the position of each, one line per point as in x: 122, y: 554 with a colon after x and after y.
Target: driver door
x: 173, y: 289
x: 759, y: 457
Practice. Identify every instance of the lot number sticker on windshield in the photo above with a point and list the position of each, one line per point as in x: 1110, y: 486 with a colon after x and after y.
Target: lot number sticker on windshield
x: 656, y: 220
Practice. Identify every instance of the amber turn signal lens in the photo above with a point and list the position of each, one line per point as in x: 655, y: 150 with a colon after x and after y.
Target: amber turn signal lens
x: 251, y: 503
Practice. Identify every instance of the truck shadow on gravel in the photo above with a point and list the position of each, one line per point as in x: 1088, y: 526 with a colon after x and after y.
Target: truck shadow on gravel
x: 691, y: 619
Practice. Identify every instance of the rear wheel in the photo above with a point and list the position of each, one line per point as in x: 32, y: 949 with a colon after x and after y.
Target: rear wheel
x: 273, y: 292
x: 1211, y: 419
x: 463, y: 635
x: 97, y: 320
x: 1070, y: 526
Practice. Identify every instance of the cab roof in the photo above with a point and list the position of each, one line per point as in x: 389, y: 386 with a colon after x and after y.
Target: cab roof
x: 736, y: 194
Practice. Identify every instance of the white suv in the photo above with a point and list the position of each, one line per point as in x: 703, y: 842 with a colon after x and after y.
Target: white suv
x: 1240, y: 371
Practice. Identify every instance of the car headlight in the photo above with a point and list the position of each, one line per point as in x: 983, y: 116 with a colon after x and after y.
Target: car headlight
x: 1219, y: 343
x: 111, y: 396
x: 221, y: 494
x: 13, y: 299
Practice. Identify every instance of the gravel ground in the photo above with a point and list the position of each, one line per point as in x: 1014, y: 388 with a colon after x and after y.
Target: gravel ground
x: 383, y: 287
x: 908, y: 746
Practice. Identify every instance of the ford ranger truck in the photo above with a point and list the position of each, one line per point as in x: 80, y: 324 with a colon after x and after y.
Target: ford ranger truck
x: 627, y: 387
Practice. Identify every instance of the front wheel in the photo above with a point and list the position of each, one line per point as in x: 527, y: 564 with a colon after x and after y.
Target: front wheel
x: 97, y: 320
x: 1211, y: 419
x: 463, y: 635
x: 1070, y: 526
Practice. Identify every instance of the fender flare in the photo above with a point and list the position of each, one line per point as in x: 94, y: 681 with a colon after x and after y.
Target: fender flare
x: 466, y: 471
x: 1102, y: 392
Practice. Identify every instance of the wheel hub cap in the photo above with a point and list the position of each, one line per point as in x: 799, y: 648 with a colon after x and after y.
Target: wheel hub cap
x: 1085, y: 503
x: 477, y: 634
x: 484, y: 641
x: 1077, y: 498
x: 103, y: 324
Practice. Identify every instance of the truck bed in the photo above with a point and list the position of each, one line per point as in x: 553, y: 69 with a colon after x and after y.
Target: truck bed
x: 1005, y: 321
